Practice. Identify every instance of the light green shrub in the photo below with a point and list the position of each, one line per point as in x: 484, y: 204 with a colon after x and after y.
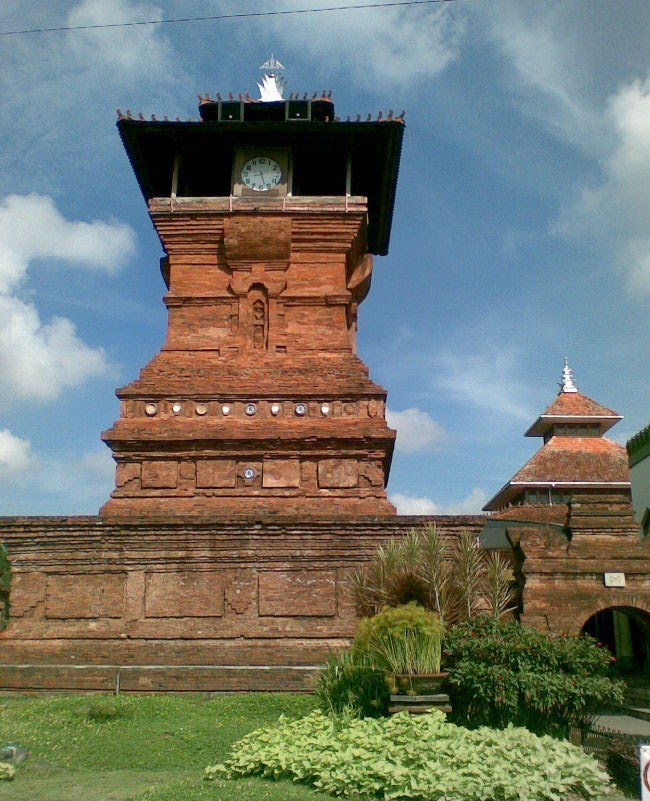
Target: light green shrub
x: 420, y: 758
x: 7, y: 771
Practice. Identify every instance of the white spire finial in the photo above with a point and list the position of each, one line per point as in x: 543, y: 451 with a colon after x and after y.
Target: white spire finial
x: 273, y: 85
x: 567, y: 384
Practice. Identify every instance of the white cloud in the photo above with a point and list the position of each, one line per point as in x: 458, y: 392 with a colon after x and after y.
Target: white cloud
x: 379, y: 48
x: 471, y: 505
x: 616, y: 213
x: 38, y: 359
x: 31, y: 228
x: 99, y: 463
x: 412, y: 505
x: 486, y: 381
x: 137, y: 51
x: 66, y: 483
x: 552, y: 66
x: 416, y: 430
x: 15, y: 455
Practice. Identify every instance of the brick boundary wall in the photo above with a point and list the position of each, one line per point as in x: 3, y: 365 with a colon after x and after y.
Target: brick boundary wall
x: 151, y: 606
x: 234, y: 604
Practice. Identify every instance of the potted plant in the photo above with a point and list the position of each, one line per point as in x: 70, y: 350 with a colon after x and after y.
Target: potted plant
x: 406, y: 642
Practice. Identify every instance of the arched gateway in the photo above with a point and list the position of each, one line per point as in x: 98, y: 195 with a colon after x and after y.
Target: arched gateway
x: 625, y: 631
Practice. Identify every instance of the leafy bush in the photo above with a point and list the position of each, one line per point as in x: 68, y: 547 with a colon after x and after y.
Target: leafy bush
x: 356, y: 687
x: 502, y: 673
x: 7, y: 771
x: 621, y: 760
x: 402, y: 639
x: 420, y: 758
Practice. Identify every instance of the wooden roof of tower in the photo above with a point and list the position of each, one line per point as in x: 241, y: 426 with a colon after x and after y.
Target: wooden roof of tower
x: 373, y: 145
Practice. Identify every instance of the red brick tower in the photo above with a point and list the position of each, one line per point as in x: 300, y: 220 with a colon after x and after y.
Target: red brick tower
x: 268, y: 212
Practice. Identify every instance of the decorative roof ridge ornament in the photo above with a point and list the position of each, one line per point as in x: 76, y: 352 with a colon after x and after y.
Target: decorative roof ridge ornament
x: 273, y: 85
x: 567, y: 384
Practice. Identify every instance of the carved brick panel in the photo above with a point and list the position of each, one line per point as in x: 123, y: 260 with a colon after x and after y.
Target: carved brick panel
x: 85, y: 596
x: 281, y: 473
x: 216, y: 473
x: 184, y: 593
x: 161, y: 474
x: 338, y: 473
x: 297, y: 593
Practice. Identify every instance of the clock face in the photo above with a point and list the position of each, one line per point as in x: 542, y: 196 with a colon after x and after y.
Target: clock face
x: 261, y: 174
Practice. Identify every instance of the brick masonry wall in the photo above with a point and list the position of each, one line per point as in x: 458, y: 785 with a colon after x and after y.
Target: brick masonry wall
x: 221, y: 605
x: 257, y: 400
x: 564, y: 576
x: 234, y: 604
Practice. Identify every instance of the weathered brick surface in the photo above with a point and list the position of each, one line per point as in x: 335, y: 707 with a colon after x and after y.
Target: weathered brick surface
x: 564, y: 571
x: 183, y: 604
x: 236, y: 603
x: 257, y: 401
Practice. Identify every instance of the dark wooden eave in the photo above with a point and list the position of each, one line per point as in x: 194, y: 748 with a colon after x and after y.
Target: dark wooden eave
x: 374, y: 148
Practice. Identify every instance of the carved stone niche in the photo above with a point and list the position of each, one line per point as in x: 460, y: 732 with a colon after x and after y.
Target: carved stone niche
x: 281, y: 473
x: 338, y: 473
x: 216, y: 473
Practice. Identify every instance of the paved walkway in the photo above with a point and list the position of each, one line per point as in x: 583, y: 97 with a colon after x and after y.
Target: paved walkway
x: 625, y: 724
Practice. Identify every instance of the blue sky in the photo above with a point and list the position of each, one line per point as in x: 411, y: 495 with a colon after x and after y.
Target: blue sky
x: 521, y: 232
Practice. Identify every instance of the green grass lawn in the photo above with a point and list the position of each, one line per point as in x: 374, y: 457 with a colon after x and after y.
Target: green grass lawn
x: 149, y: 748
x: 154, y: 750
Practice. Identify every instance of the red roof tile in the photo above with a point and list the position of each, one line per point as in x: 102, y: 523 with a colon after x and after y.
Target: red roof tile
x: 573, y: 404
x: 570, y: 459
x: 535, y: 513
x: 572, y: 407
x: 571, y: 462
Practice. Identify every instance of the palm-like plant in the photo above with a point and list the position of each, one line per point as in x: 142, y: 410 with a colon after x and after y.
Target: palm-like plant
x: 457, y: 580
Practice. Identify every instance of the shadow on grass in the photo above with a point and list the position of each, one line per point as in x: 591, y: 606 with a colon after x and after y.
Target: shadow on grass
x: 43, y: 783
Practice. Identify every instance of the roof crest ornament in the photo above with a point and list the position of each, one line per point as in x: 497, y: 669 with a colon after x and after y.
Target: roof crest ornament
x: 567, y: 384
x: 273, y: 85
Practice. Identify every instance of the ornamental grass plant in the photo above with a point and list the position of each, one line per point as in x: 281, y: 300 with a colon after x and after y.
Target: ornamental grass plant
x: 352, y: 686
x: 403, y: 639
x: 456, y: 579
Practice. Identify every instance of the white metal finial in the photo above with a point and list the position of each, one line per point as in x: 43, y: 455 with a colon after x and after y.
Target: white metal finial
x: 567, y: 384
x: 272, y: 85
x: 272, y: 64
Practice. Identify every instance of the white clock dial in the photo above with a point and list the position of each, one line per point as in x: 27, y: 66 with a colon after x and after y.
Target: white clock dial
x: 261, y: 174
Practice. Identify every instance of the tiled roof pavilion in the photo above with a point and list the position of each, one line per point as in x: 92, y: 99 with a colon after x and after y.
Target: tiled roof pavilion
x: 574, y: 459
